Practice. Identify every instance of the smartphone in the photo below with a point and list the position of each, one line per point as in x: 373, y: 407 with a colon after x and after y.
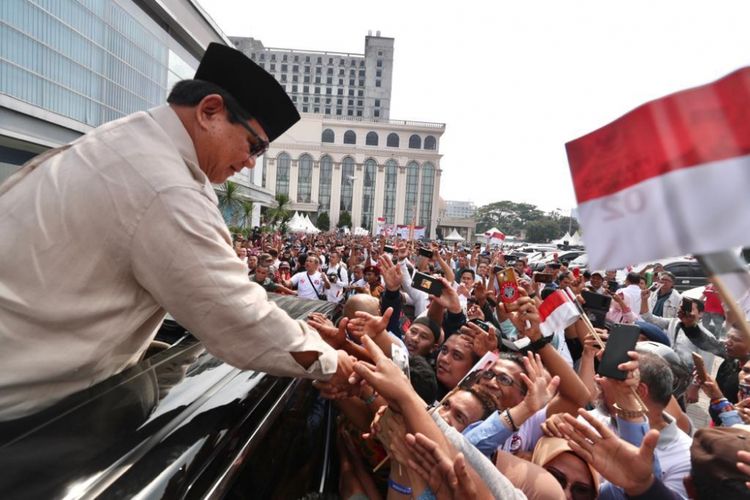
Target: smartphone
x: 622, y: 338
x: 427, y: 283
x: 425, y: 252
x: 481, y: 324
x: 389, y: 249
x: 654, y: 287
x: 543, y: 277
x: 496, y: 269
x: 508, y: 286
x: 700, y: 367
x: 687, y: 306
x: 596, y: 307
x: 613, y: 286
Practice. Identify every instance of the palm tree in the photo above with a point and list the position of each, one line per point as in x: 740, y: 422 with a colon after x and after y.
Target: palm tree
x: 279, y: 214
x: 230, y: 201
x: 246, y: 217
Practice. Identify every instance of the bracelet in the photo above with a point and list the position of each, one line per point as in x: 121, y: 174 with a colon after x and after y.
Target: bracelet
x: 623, y: 413
x: 371, y: 398
x: 400, y: 488
x: 510, y: 421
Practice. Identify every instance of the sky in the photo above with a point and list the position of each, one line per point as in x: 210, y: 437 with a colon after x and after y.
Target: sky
x: 514, y: 81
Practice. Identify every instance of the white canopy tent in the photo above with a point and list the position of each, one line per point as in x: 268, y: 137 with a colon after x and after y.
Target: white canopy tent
x: 454, y: 236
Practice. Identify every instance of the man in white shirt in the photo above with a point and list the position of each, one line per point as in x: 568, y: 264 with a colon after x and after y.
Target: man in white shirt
x: 310, y: 283
x: 631, y: 293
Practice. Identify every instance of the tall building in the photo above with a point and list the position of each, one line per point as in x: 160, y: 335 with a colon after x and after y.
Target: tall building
x: 331, y: 83
x: 67, y: 66
x: 346, y: 154
x: 460, y: 209
x: 458, y: 216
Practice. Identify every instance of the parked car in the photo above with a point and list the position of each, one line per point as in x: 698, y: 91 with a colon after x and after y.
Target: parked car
x: 688, y: 274
x: 179, y: 424
x: 580, y: 262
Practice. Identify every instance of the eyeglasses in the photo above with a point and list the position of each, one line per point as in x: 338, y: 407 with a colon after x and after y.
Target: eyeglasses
x: 578, y: 491
x: 502, y: 378
x: 260, y: 145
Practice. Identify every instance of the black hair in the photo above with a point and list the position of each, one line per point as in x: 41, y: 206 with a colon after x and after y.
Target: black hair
x: 466, y: 270
x: 487, y: 405
x: 708, y: 488
x: 633, y: 278
x: 192, y: 92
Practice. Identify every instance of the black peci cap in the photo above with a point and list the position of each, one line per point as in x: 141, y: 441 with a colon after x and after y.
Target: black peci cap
x: 254, y: 89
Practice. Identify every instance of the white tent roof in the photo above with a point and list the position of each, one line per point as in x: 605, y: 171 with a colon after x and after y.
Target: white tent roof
x: 454, y: 236
x: 493, y: 230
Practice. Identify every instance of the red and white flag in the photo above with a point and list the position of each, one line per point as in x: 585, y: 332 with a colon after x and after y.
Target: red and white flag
x: 557, y: 312
x: 495, y: 237
x: 669, y: 178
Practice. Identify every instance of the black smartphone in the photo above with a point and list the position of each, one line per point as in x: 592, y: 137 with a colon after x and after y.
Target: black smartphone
x: 543, y: 278
x: 425, y: 252
x: 389, y: 249
x: 613, y: 286
x: 427, y: 283
x: 481, y: 324
x: 596, y: 307
x: 622, y: 338
x: 687, y: 306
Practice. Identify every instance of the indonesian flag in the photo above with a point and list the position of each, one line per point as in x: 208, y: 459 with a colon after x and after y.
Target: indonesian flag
x: 557, y: 312
x: 494, y: 237
x: 669, y: 178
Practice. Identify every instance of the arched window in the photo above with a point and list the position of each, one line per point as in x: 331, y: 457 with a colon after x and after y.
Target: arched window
x: 412, y: 187
x: 328, y: 136
x: 326, y: 174
x: 415, y: 142
x: 368, y: 194
x: 347, y: 184
x: 430, y: 142
x: 282, y: 174
x: 425, y: 208
x: 392, y: 140
x: 350, y: 137
x: 389, y: 201
x: 371, y: 139
x: 304, y: 179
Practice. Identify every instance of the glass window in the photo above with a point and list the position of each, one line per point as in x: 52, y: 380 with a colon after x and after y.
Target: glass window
x: 425, y: 204
x: 415, y: 142
x: 380, y: 63
x: 304, y: 178
x: 284, y: 67
x: 350, y: 137
x: 347, y: 184
x: 316, y: 110
x: 368, y: 194
x: 392, y: 141
x: 389, y: 201
x: 328, y: 136
x: 359, y: 112
x: 371, y: 139
x: 430, y: 142
x: 378, y: 73
x: 412, y: 186
x: 377, y: 102
x: 282, y: 174
x: 376, y: 113
x: 377, y: 83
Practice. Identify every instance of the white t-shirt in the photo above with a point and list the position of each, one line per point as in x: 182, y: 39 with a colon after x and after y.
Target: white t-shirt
x: 305, y: 290
x: 526, y: 437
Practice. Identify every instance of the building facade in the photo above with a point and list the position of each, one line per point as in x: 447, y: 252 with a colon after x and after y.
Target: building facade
x: 370, y: 169
x: 331, y: 83
x: 67, y: 66
x: 459, y: 216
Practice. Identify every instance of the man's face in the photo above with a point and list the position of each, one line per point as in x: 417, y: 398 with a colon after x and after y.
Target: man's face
x: 611, y: 275
x: 242, y: 253
x: 261, y: 274
x: 461, y: 409
x: 467, y: 280
x: 453, y: 362
x: 252, y: 261
x: 482, y: 269
x: 504, y: 371
x: 371, y: 277
x: 744, y: 375
x: 222, y: 147
x: 666, y: 284
x: 463, y: 262
x: 597, y: 281
x: 519, y: 266
x: 335, y: 258
x: 419, y: 340
x: 736, y: 345
x: 311, y: 264
x: 357, y: 273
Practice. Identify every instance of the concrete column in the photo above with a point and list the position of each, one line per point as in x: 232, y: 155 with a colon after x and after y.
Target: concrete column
x: 315, y: 192
x: 401, y: 195
x: 359, y: 182
x: 335, y: 193
x: 293, y: 173
x: 271, y: 175
x: 378, y: 206
x: 435, y: 198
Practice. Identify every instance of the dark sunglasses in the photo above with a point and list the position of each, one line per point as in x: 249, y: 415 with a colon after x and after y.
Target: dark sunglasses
x: 578, y: 491
x: 259, y: 146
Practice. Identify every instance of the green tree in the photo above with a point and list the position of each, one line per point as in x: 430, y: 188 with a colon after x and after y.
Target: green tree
x: 245, y: 217
x: 324, y: 222
x: 542, y: 230
x: 279, y: 214
x: 345, y: 219
x: 509, y: 217
x: 230, y: 201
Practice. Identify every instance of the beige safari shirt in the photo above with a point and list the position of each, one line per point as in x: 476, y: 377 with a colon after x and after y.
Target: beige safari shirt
x: 98, y: 239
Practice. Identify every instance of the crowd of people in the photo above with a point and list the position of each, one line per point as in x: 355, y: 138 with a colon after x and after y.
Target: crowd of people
x: 443, y: 404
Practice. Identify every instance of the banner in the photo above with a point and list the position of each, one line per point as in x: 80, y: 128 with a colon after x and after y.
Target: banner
x: 669, y: 178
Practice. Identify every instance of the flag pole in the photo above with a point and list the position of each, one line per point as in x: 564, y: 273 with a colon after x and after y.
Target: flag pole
x: 719, y: 266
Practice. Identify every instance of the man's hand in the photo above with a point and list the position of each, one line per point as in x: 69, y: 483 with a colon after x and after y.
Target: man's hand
x: 618, y: 461
x: 338, y: 387
x: 475, y: 312
x: 591, y: 345
x: 710, y: 388
x: 551, y: 426
x: 526, y: 319
x: 540, y: 388
x: 449, y: 298
x: 335, y: 337
x: 482, y: 342
x: 391, y: 273
x: 384, y: 376
x: 366, y: 324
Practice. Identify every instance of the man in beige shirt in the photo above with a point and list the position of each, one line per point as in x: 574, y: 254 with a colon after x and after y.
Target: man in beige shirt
x: 103, y: 235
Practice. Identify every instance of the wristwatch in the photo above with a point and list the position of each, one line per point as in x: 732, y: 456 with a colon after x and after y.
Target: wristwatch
x: 536, y: 345
x: 628, y: 414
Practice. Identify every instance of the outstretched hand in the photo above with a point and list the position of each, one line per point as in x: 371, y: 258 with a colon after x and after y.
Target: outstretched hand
x: 367, y: 324
x: 384, y: 376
